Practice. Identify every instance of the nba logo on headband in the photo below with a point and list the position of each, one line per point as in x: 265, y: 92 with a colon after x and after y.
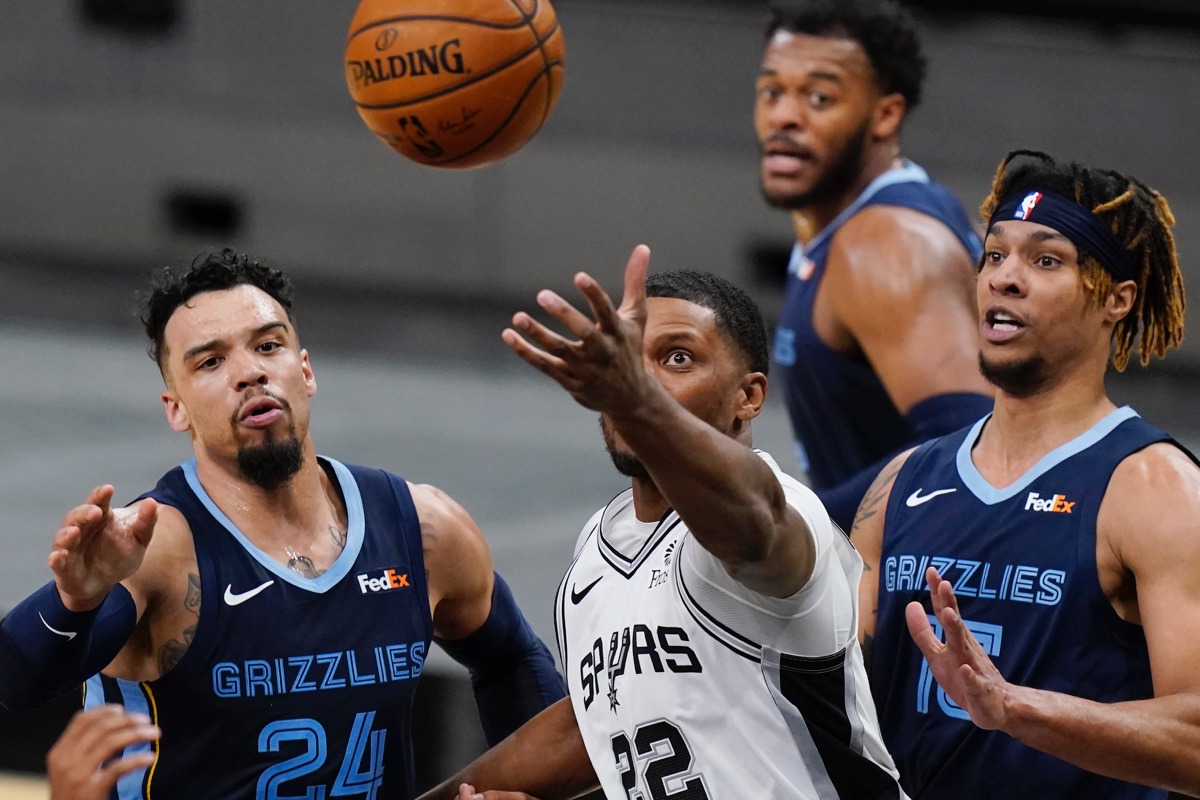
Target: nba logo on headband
x: 1027, y: 205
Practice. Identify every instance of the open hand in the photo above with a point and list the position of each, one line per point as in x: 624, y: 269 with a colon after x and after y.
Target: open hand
x: 98, y: 546
x: 960, y: 665
x: 603, y: 369
x: 82, y: 765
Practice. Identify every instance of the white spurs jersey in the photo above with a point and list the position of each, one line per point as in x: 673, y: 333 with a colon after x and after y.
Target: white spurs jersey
x: 687, y: 685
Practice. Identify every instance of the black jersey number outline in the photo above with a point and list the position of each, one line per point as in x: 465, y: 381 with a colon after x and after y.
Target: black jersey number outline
x: 667, y: 757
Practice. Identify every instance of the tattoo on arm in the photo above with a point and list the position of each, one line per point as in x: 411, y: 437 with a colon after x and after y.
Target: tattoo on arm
x: 170, y: 653
x: 869, y: 506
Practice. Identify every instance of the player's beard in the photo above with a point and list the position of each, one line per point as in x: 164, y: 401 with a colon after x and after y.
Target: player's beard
x: 1023, y: 377
x: 843, y: 171
x: 273, y: 463
x: 626, y: 463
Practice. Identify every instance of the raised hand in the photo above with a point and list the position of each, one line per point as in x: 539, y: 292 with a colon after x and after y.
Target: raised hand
x: 98, y: 546
x: 602, y: 369
x: 82, y: 765
x: 960, y: 665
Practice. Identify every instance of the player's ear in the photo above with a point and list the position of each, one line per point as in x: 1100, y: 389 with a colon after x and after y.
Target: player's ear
x: 1120, y: 301
x: 751, y: 394
x: 310, y: 378
x: 889, y: 113
x: 177, y: 413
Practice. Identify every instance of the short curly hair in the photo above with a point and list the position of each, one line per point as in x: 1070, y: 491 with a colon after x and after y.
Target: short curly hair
x: 209, y: 272
x: 736, y: 314
x: 884, y: 29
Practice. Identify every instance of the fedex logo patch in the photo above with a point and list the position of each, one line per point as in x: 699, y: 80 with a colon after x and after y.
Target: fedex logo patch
x: 1057, y: 504
x: 389, y: 580
x: 1027, y: 205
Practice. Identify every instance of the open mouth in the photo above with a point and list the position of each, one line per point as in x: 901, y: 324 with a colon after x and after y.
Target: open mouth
x: 260, y: 412
x: 782, y: 156
x: 1000, y: 325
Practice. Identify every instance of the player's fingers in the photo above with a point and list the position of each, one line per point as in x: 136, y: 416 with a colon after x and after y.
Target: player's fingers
x: 921, y: 631
x: 101, y: 495
x: 541, y: 336
x: 83, y: 516
x: 111, y: 773
x: 572, y: 318
x: 601, y: 304
x: 634, y: 300
x: 467, y: 792
x: 539, y: 360
x: 142, y: 526
x: 117, y: 740
x: 66, y: 538
x: 948, y: 598
x: 933, y: 580
x: 89, y: 731
x: 958, y: 637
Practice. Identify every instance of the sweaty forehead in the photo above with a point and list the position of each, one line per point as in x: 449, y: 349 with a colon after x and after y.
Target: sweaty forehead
x: 221, y: 315
x: 1018, y: 232
x: 795, y: 55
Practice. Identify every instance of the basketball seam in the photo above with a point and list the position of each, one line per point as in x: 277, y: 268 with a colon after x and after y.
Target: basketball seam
x: 541, y: 46
x: 437, y: 18
x: 517, y: 107
x: 457, y: 86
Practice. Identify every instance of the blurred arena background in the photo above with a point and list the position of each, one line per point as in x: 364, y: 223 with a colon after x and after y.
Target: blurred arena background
x: 136, y: 133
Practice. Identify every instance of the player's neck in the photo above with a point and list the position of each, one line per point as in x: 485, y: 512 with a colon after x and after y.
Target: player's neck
x: 303, y: 503
x: 807, y: 222
x: 1022, y: 430
x: 649, y: 505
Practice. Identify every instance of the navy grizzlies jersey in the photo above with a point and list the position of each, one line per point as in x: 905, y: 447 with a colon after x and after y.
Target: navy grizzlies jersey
x: 1022, y: 561
x: 292, y: 687
x: 842, y: 417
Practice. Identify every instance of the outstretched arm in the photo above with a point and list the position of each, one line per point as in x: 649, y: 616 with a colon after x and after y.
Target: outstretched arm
x: 1147, y: 527
x: 546, y: 757
x: 477, y: 622
x: 75, y: 625
x: 728, y: 496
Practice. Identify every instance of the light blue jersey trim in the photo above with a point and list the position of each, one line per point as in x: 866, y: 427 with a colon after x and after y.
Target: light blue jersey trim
x: 341, y: 565
x: 909, y: 173
x: 129, y: 785
x: 93, y: 692
x: 991, y: 495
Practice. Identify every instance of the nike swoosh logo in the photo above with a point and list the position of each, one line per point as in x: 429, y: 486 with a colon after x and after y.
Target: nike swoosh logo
x: 577, y: 597
x: 237, y: 599
x: 915, y: 499
x: 69, y: 634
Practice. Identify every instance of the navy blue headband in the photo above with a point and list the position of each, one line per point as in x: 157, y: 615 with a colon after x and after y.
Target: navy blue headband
x: 1072, y: 220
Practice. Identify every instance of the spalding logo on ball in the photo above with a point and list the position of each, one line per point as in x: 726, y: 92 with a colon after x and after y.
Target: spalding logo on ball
x: 455, y: 83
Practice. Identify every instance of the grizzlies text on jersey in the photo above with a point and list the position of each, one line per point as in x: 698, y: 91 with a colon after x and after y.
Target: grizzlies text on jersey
x: 292, y: 686
x: 1022, y: 561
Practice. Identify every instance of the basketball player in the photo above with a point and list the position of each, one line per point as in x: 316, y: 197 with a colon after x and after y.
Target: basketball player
x: 876, y: 341
x: 704, y: 623
x: 268, y: 608
x: 1057, y: 536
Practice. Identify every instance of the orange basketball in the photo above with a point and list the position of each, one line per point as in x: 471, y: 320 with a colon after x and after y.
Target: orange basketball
x: 455, y: 83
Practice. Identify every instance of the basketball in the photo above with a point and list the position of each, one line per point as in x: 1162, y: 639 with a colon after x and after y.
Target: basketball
x: 455, y: 83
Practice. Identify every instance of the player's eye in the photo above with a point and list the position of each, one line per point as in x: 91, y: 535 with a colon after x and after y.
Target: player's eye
x: 678, y: 358
x: 820, y: 100
x: 1047, y: 262
x: 769, y: 93
x: 209, y: 363
x: 267, y: 347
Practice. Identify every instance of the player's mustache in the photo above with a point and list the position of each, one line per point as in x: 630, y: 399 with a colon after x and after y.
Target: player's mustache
x: 250, y: 398
x: 781, y: 143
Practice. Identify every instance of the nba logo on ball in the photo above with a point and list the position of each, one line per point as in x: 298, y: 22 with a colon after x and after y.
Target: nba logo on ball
x: 1027, y: 205
x: 455, y: 83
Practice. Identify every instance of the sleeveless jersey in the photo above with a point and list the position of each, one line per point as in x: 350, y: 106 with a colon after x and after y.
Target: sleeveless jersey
x: 1022, y: 561
x: 842, y: 417
x: 291, y: 687
x: 686, y: 684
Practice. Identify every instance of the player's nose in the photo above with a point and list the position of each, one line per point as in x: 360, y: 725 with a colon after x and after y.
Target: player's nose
x: 1009, y: 278
x: 248, y: 371
x: 787, y: 113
